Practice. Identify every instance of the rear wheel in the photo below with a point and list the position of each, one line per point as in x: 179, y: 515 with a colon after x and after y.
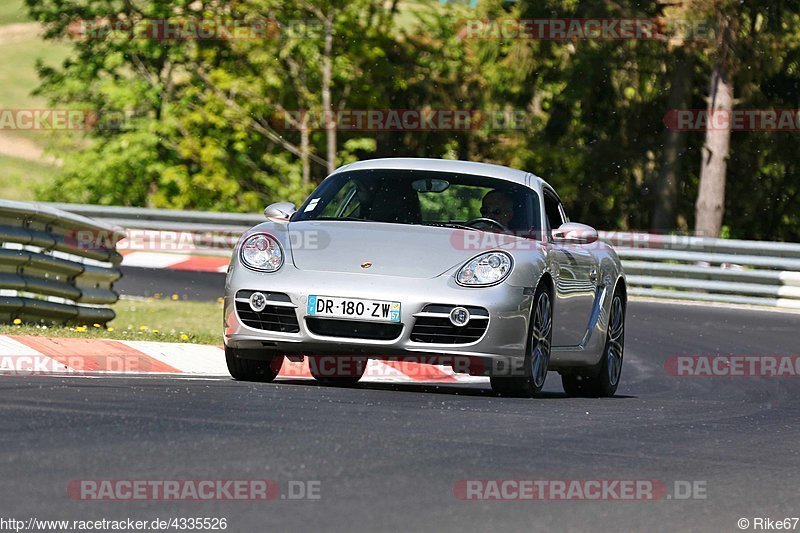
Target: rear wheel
x: 537, y: 359
x: 338, y: 370
x: 263, y: 369
x: 603, y: 379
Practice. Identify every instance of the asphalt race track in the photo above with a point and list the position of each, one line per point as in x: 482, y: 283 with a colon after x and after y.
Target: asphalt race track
x: 199, y: 286
x: 387, y: 457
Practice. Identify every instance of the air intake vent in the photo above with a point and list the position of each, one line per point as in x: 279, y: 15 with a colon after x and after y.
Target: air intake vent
x: 278, y: 315
x: 433, y: 325
x: 354, y: 329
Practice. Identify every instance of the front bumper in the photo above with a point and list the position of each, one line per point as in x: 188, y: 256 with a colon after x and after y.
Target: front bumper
x: 505, y: 336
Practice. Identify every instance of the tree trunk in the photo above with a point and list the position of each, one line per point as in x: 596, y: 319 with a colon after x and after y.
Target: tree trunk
x: 327, y: 76
x: 670, y: 167
x: 710, y: 206
x: 304, y: 150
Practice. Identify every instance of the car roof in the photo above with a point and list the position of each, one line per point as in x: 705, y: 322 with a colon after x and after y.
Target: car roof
x: 443, y: 165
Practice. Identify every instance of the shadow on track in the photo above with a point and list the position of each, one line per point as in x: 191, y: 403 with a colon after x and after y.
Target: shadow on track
x: 462, y: 389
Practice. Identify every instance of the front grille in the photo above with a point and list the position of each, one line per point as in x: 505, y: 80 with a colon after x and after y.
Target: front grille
x: 353, y: 329
x: 439, y: 329
x: 273, y: 318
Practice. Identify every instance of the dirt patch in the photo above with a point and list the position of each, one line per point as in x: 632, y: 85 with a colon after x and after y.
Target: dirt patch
x: 24, y: 149
x: 12, y: 33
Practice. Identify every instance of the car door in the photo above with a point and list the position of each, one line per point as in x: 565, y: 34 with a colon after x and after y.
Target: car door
x: 574, y: 269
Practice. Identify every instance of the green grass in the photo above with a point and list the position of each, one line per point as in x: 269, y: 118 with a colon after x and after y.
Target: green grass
x: 407, y: 17
x: 18, y: 76
x: 144, y: 320
x: 12, y: 11
x: 19, y: 178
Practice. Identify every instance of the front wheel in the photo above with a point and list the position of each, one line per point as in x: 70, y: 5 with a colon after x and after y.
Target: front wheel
x: 264, y: 369
x: 603, y: 379
x: 537, y: 359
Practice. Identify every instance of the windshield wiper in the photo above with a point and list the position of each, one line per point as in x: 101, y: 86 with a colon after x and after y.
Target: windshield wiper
x: 349, y: 219
x: 449, y: 225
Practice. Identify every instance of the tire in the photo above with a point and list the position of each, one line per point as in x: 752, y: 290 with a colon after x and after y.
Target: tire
x: 537, y: 358
x: 348, y: 374
x: 261, y: 370
x: 602, y: 379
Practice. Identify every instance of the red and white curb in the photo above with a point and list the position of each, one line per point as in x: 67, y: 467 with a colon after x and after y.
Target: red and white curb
x: 175, y: 261
x: 26, y: 355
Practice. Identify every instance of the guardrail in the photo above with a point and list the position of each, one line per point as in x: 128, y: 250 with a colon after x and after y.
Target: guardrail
x: 708, y: 269
x: 163, y: 219
x: 658, y: 266
x: 48, y: 273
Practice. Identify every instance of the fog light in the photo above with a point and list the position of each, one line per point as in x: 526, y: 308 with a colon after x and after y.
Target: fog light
x: 258, y: 302
x: 459, y: 316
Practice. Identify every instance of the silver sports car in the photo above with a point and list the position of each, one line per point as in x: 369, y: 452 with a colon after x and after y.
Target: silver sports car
x: 465, y: 264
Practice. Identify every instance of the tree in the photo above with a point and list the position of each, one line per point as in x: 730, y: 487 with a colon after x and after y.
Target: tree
x: 716, y: 148
x: 202, y: 112
x: 673, y: 148
x: 233, y: 124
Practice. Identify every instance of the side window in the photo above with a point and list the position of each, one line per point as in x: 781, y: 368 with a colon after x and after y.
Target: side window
x: 564, y: 216
x: 553, y: 211
x: 345, y: 203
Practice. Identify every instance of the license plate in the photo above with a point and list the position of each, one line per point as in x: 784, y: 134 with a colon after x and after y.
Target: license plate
x: 356, y: 308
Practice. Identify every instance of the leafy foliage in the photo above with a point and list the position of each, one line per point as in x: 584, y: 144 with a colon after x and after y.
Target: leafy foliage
x: 205, y: 121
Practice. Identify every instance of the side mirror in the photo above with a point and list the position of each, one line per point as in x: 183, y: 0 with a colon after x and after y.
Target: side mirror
x: 282, y: 210
x: 575, y: 233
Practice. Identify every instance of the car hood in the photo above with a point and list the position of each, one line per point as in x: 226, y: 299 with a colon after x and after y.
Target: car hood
x: 401, y: 250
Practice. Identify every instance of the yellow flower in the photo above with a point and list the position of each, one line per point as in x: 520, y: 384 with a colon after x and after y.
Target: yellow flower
x: 184, y: 337
x: 80, y: 328
x: 143, y: 328
x: 17, y: 321
x: 175, y: 296
x: 111, y: 328
x: 155, y: 331
x: 96, y: 325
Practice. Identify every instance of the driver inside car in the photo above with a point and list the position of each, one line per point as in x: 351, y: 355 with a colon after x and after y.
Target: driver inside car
x: 498, y: 206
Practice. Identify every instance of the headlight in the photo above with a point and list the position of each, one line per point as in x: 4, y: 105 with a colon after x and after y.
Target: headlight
x: 261, y: 252
x: 486, y: 269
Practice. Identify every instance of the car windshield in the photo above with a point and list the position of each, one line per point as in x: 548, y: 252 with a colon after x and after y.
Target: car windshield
x: 424, y: 197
